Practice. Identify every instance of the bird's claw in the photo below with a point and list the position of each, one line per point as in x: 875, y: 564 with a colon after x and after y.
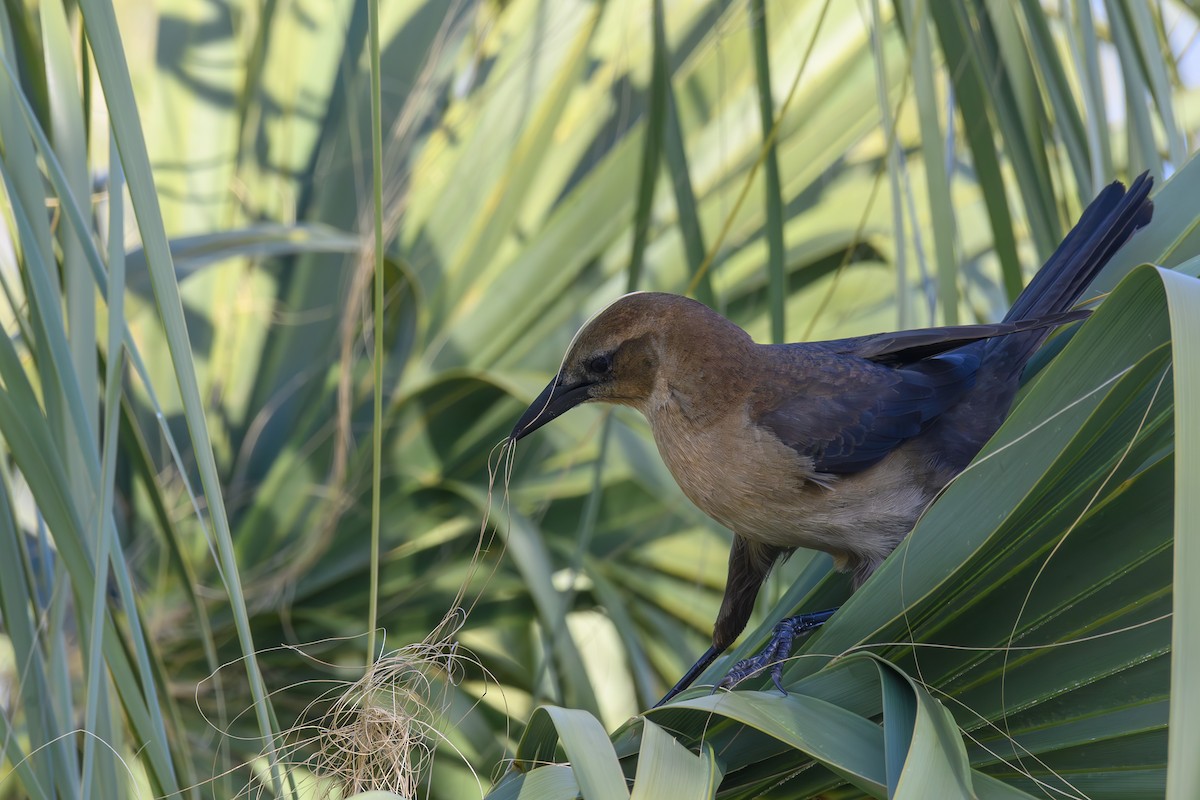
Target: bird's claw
x: 769, y: 656
x: 776, y: 651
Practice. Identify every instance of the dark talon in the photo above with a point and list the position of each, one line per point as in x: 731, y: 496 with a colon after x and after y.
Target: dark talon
x: 776, y: 651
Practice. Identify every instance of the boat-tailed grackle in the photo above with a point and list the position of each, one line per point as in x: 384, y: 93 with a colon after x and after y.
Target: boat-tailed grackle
x: 837, y: 445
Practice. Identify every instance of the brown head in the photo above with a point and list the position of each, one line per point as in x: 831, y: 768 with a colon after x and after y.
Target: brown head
x: 632, y: 348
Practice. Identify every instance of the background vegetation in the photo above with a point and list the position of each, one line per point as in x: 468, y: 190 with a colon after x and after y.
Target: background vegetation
x: 187, y: 267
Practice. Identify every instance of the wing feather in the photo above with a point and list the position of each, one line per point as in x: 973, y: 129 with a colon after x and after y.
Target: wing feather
x: 907, y: 347
x: 858, y: 411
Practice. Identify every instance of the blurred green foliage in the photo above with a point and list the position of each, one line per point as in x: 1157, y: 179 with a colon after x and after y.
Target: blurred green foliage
x: 192, y: 179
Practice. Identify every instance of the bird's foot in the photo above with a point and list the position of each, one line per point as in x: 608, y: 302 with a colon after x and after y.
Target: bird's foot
x: 776, y: 651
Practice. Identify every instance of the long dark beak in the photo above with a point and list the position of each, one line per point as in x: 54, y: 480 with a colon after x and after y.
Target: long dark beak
x: 554, y: 401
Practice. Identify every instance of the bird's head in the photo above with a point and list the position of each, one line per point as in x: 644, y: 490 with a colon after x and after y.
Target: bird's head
x: 622, y: 354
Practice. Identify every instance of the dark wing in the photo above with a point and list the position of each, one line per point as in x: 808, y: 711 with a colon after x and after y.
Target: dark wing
x: 907, y: 347
x: 847, y: 413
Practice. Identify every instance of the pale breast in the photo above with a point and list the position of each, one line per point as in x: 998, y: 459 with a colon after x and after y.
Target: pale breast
x: 742, y: 476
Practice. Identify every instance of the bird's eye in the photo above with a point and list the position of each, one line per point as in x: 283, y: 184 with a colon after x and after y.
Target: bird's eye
x: 599, y: 365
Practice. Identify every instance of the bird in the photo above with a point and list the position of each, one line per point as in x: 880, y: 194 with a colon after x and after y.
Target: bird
x: 837, y: 446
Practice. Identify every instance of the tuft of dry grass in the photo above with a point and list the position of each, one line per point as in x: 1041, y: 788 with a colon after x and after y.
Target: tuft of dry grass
x: 379, y: 732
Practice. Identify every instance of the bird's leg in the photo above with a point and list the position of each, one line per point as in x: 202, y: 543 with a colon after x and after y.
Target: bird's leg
x: 749, y: 564
x: 776, y: 651
x: 710, y: 655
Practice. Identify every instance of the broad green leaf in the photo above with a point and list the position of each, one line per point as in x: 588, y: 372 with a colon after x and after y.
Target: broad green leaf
x: 666, y: 770
x: 842, y: 741
x: 585, y: 745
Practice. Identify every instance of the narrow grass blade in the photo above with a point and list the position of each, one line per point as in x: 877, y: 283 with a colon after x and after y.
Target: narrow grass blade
x: 656, y: 104
x: 1183, y: 771
x: 111, y: 68
x: 1060, y: 95
x: 777, y: 287
x: 675, y: 152
x: 1153, y: 58
x: 970, y: 95
x: 1143, y: 151
x: 1085, y: 48
x: 935, y: 157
